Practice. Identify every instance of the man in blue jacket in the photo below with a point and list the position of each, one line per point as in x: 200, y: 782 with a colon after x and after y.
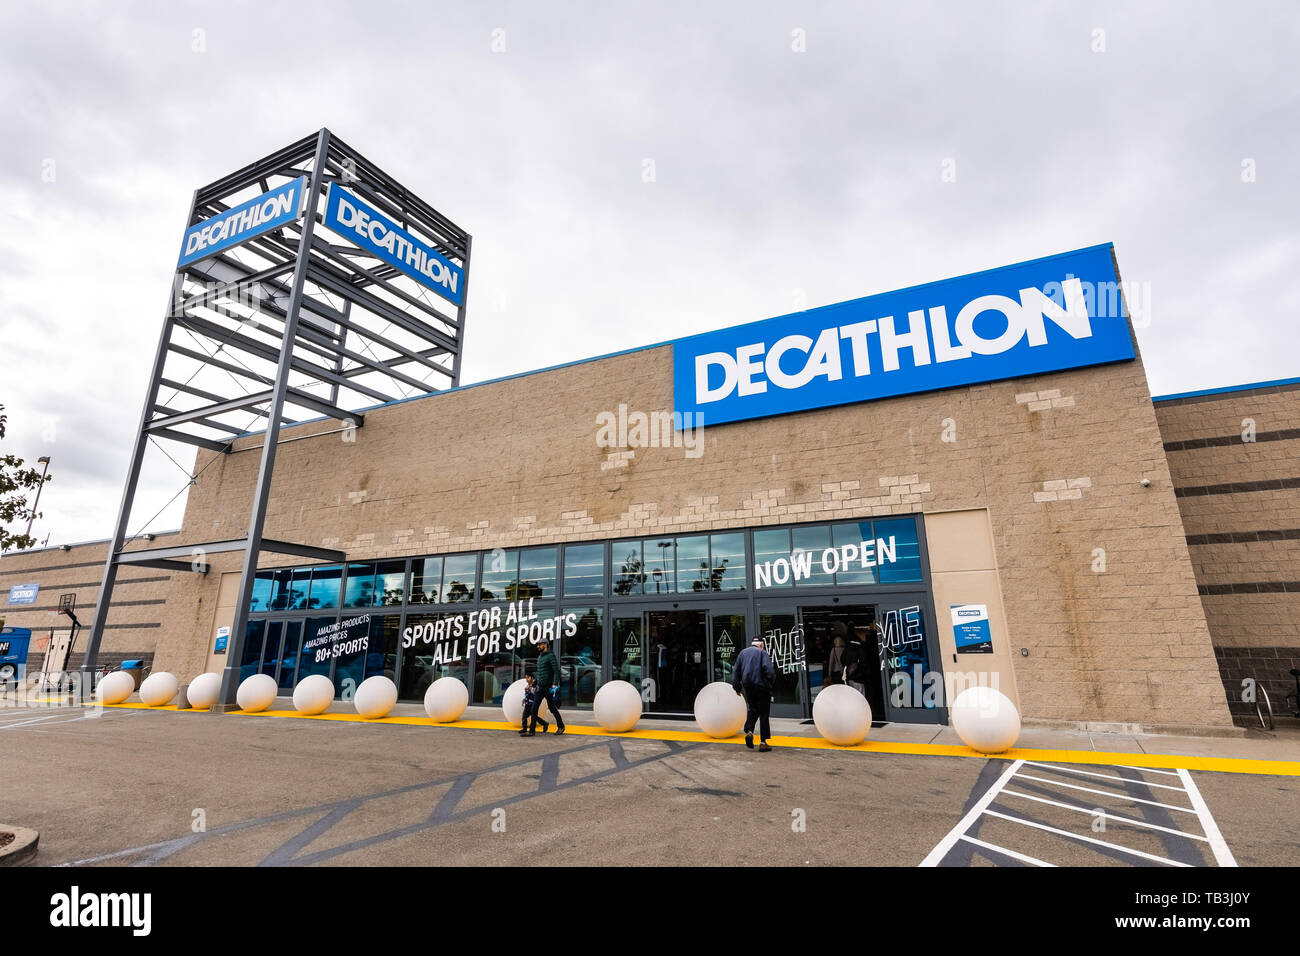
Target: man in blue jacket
x: 753, y: 678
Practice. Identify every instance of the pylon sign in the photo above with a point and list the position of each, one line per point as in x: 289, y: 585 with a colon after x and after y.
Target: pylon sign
x: 259, y: 215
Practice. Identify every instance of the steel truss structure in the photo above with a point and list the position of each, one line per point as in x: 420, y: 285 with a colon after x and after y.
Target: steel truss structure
x: 298, y: 322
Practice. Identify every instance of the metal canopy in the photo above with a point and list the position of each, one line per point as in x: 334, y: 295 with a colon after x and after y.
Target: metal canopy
x: 294, y: 323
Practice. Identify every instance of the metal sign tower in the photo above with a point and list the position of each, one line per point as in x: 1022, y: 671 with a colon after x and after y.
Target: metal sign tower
x: 309, y: 283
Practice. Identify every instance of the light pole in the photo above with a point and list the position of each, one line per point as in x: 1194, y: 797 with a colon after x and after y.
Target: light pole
x: 43, y: 460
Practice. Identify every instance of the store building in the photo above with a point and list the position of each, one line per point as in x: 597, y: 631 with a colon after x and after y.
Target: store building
x: 1026, y: 516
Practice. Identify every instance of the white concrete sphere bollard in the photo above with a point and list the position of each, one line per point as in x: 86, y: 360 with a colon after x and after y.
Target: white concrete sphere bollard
x: 375, y: 697
x: 985, y: 719
x: 159, y: 689
x: 719, y: 710
x: 617, y: 706
x: 842, y: 715
x: 116, y: 687
x: 256, y: 693
x: 204, y: 691
x: 512, y: 704
x: 446, y: 699
x: 313, y: 695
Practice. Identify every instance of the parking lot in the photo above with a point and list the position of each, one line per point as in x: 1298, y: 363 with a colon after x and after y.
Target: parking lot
x: 126, y: 785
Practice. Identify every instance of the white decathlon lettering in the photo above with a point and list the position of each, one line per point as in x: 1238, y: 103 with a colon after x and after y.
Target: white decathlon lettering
x: 927, y: 338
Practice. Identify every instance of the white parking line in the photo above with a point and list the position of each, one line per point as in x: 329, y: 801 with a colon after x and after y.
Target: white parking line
x: 946, y: 844
x: 1104, y: 776
x: 1085, y: 839
x: 982, y: 808
x: 1023, y: 858
x: 1095, y: 811
x: 1222, y: 855
x: 1106, y: 793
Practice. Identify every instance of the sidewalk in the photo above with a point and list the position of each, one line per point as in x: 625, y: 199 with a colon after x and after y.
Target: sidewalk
x: 1247, y: 751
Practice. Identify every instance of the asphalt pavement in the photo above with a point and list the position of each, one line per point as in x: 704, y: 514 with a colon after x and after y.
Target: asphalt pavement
x: 133, y: 785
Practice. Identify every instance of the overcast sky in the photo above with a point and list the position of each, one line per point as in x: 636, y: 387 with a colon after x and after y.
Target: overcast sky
x: 797, y: 151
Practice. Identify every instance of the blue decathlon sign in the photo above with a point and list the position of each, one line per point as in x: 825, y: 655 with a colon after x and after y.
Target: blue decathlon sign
x: 247, y: 221
x: 23, y: 593
x: 359, y: 222
x: 1046, y: 315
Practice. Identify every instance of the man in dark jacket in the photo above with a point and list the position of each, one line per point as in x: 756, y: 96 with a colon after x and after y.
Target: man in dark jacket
x: 752, y: 678
x: 548, y: 684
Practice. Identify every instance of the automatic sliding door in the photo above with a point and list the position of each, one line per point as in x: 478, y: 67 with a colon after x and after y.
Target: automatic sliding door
x: 676, y: 660
x: 781, y: 630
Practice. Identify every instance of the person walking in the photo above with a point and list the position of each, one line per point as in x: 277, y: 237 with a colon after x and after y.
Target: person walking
x: 752, y: 678
x: 856, y: 664
x: 530, y: 707
x: 548, y: 687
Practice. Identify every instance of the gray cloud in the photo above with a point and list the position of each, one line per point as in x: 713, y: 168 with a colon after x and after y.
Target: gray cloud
x: 781, y: 177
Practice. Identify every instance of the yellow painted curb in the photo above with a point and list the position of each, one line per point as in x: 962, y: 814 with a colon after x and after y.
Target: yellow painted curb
x: 1282, y: 768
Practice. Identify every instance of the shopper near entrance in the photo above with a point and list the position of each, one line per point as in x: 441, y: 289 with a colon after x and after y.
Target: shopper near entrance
x: 530, y: 707
x: 835, y: 663
x: 548, y: 687
x: 753, y: 678
x: 855, y: 659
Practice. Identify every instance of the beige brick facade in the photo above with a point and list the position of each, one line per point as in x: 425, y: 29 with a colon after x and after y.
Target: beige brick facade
x: 1235, y: 460
x: 135, y: 615
x: 1097, y: 584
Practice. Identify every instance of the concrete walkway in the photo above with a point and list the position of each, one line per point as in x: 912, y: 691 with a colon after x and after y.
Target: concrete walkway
x: 1243, y: 751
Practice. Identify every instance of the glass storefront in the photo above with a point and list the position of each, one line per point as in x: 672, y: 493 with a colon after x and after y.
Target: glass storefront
x: 668, y: 613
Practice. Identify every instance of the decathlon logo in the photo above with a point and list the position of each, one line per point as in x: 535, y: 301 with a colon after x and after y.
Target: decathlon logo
x: 75, y: 908
x: 351, y: 217
x: 1036, y: 317
x: 255, y: 217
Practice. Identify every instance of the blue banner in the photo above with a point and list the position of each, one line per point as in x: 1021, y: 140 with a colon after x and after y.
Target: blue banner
x: 1046, y: 315
x: 365, y: 226
x: 23, y: 593
x: 271, y: 210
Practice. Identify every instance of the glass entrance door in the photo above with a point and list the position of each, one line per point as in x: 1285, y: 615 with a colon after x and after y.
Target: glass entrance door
x: 842, y: 648
x: 910, y: 662
x: 676, y: 660
x: 728, y: 636
x: 784, y: 635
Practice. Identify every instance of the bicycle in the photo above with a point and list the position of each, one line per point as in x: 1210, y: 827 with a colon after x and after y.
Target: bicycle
x: 1263, y: 706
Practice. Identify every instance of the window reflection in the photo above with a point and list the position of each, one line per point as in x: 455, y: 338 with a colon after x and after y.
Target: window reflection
x: 419, y: 667
x: 426, y: 580
x: 381, y: 654
x: 580, y: 658
x: 584, y: 570
x: 536, y: 574
x: 812, y: 542
x: 325, y: 587
x: 727, y: 557
x: 307, y: 656
x: 458, y: 574
x: 693, y: 573
x: 390, y: 576
x: 360, y: 590
x: 629, y: 573
x: 251, y: 658
x: 661, y: 566
x: 856, y: 533
x: 769, y: 547
x: 500, y: 574
x: 907, y: 550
